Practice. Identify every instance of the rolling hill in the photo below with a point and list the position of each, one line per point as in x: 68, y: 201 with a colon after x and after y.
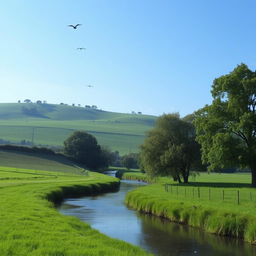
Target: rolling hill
x: 51, y: 124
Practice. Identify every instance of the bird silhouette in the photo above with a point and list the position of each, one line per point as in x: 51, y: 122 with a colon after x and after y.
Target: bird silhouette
x: 81, y: 48
x: 90, y: 86
x: 74, y: 26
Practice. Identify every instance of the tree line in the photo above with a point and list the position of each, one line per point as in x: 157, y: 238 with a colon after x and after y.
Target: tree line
x: 219, y: 135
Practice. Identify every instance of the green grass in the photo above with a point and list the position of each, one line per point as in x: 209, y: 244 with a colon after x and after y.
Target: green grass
x: 192, y: 204
x: 30, y: 224
x: 37, y: 161
x: 122, y: 132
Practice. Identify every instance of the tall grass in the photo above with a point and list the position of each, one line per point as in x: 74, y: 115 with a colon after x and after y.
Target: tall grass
x: 30, y: 224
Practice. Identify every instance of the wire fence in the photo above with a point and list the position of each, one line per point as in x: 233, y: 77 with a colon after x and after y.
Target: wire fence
x: 234, y: 196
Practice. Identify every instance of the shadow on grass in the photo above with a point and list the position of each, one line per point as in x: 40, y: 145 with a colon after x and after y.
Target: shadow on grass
x: 214, y: 185
x: 57, y: 157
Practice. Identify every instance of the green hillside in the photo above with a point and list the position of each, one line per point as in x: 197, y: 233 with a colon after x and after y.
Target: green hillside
x: 36, y: 161
x: 49, y: 124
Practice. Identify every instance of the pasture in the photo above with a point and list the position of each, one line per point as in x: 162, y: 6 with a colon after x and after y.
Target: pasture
x: 49, y: 124
x: 30, y: 224
x: 209, y: 201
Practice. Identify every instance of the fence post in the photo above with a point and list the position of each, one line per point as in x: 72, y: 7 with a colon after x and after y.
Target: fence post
x: 238, y: 197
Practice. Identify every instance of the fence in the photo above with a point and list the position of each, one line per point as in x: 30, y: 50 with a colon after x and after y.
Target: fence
x: 228, y: 195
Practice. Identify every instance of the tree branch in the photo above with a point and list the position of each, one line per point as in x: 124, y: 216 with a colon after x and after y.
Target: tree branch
x: 242, y: 136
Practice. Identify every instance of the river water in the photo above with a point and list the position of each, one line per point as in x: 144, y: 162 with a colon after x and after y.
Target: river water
x: 108, y: 214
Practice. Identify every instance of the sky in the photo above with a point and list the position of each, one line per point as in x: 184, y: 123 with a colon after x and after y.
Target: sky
x: 149, y: 56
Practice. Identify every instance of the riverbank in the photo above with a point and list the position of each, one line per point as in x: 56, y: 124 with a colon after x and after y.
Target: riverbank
x: 30, y: 224
x: 225, y: 218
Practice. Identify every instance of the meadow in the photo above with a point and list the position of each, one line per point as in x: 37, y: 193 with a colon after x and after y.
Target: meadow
x: 209, y: 201
x: 49, y: 124
x: 30, y: 224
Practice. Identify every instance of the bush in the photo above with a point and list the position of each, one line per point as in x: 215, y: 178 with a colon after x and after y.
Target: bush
x: 84, y: 148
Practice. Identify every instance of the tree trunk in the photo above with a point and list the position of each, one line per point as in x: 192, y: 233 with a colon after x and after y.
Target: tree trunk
x: 253, y: 171
x: 185, y: 178
x: 185, y: 174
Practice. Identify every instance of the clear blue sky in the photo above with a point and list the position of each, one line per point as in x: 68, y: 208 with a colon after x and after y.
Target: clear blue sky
x: 153, y: 56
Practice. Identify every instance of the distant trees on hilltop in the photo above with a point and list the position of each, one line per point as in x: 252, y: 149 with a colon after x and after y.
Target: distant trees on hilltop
x: 62, y: 103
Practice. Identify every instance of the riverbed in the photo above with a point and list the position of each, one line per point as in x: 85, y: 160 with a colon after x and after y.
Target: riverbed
x: 108, y: 214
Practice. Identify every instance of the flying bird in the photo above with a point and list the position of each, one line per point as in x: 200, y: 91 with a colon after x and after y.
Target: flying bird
x: 89, y: 85
x: 74, y: 26
x: 81, y: 48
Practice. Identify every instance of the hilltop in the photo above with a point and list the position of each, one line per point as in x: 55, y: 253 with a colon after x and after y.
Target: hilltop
x: 50, y: 124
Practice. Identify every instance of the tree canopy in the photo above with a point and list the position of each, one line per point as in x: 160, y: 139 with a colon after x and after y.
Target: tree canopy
x: 84, y: 148
x: 130, y: 160
x: 226, y: 129
x: 170, y: 148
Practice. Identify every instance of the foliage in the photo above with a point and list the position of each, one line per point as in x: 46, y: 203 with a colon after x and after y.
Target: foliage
x: 226, y: 129
x: 130, y: 160
x: 83, y: 147
x: 39, y: 150
x: 112, y: 158
x: 27, y: 101
x: 170, y: 148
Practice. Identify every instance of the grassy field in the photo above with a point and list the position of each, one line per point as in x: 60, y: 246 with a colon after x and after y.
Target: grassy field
x: 29, y: 222
x: 37, y: 161
x: 209, y: 201
x: 50, y: 124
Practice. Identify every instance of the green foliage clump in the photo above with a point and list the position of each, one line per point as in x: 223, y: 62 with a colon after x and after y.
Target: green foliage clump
x: 130, y: 160
x: 170, y: 148
x: 39, y: 150
x: 83, y: 148
x: 226, y: 129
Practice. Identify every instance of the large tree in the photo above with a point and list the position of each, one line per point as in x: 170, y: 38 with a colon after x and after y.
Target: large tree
x: 170, y: 148
x: 226, y: 129
x: 84, y: 148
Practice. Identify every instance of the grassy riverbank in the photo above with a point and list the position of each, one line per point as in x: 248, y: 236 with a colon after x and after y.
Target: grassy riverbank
x: 210, y: 202
x: 30, y: 224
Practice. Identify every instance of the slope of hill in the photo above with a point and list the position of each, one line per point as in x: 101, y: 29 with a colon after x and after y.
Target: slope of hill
x: 49, y: 124
x: 43, y: 162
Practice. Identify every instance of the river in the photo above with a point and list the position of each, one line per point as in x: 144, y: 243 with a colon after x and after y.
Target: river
x: 108, y: 214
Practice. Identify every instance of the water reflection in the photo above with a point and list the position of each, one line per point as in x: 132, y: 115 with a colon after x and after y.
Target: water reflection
x: 165, y: 238
x: 108, y: 214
